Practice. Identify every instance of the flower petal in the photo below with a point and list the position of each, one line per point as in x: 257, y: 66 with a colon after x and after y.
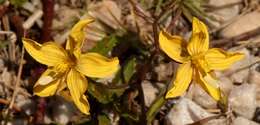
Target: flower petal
x: 77, y: 85
x: 48, y: 53
x: 209, y: 84
x: 96, y: 65
x: 47, y: 84
x: 199, y: 41
x: 77, y: 36
x: 182, y: 81
x: 173, y: 46
x: 218, y: 59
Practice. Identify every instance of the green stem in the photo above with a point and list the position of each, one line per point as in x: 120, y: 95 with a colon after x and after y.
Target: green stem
x: 155, y: 107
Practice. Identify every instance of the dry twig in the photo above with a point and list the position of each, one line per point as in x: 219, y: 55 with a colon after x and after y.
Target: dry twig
x: 6, y: 102
x: 17, y: 83
x: 237, y: 38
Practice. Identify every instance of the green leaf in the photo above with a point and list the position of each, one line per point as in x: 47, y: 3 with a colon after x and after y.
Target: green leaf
x: 3, y: 44
x: 105, y: 45
x: 18, y: 3
x: 103, y: 120
x: 2, y: 1
x: 127, y: 70
x: 103, y: 93
x: 195, y: 8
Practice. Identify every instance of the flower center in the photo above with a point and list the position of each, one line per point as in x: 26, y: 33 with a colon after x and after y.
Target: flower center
x: 199, y: 62
x: 197, y: 59
x: 62, y: 67
x: 67, y: 64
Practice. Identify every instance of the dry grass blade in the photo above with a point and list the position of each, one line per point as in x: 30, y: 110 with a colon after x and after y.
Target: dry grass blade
x: 17, y: 83
x: 6, y: 102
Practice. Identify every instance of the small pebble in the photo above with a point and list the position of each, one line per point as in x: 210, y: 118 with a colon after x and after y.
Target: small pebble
x: 243, y: 100
x: 186, y: 112
x: 243, y: 121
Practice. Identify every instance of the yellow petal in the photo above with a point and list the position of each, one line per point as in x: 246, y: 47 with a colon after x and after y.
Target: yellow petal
x: 77, y: 36
x: 77, y: 85
x: 209, y: 84
x: 199, y: 41
x: 218, y: 59
x: 182, y: 81
x: 47, y: 84
x: 96, y: 65
x: 173, y: 46
x: 49, y: 53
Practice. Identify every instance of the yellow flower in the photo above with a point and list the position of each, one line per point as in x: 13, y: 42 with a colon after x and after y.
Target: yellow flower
x: 68, y: 68
x: 197, y: 60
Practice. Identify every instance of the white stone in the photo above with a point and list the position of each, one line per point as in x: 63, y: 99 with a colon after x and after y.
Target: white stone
x: 227, y: 13
x: 62, y: 110
x: 202, y: 98
x: 26, y: 104
x: 244, y: 24
x: 2, y: 65
x: 164, y: 71
x: 150, y: 92
x: 226, y: 84
x: 242, y: 100
x: 243, y: 121
x: 254, y: 78
x: 66, y: 16
x: 241, y: 75
x: 186, y: 112
x: 107, y: 12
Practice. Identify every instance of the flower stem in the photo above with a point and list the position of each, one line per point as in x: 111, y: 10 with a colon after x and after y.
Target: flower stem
x: 155, y: 107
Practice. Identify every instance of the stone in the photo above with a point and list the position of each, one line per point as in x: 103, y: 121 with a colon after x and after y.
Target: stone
x: 186, y: 112
x: 243, y: 121
x: 164, y: 71
x: 26, y: 104
x: 242, y: 75
x: 254, y: 78
x: 242, y: 100
x: 226, y: 84
x: 66, y: 16
x: 107, y: 12
x: 242, y: 25
x: 2, y: 65
x: 150, y: 92
x: 6, y: 79
x: 227, y: 13
x: 62, y: 110
x: 202, y: 98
